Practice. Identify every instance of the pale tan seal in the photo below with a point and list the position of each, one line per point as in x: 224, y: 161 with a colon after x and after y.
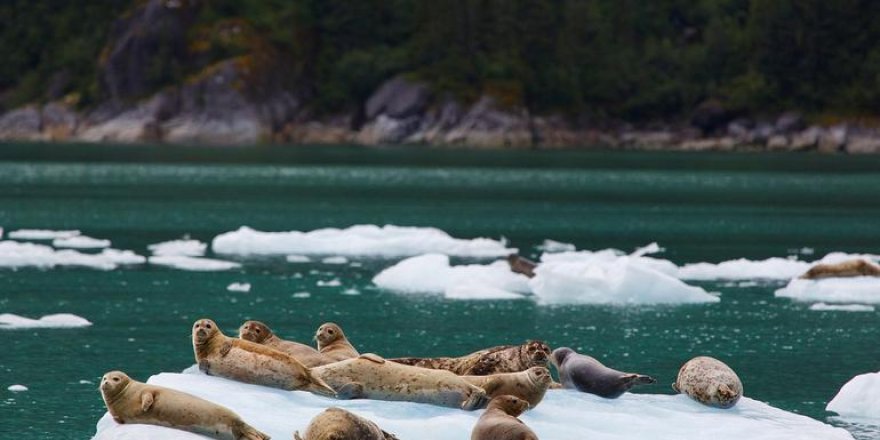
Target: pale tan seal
x: 371, y: 377
x: 130, y: 401
x: 586, y: 374
x: 844, y: 269
x: 339, y: 424
x: 709, y: 381
x: 245, y: 361
x: 333, y: 344
x: 529, y: 385
x: 259, y: 333
x: 500, y: 421
x: 494, y: 360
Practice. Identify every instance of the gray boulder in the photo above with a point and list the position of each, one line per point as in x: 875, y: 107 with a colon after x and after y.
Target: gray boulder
x: 21, y: 124
x: 398, y: 98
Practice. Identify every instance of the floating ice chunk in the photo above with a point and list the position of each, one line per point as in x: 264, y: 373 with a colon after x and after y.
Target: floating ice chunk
x: 562, y: 415
x: 41, y: 234
x: 623, y: 280
x: 652, y: 248
x: 842, y: 307
x: 330, y: 283
x: 298, y: 259
x: 384, y: 241
x: 556, y: 246
x: 863, y: 290
x: 611, y: 255
x: 858, y: 398
x: 186, y: 247
x: 432, y: 273
x: 351, y: 291
x: 772, y: 268
x: 60, y: 320
x: 479, y: 292
x: 199, y: 264
x: 15, y: 254
x: 335, y: 260
x: 80, y: 242
x: 301, y: 295
x: 239, y: 287
x: 17, y: 388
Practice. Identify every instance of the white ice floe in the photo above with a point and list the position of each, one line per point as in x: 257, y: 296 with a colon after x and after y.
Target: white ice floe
x: 41, y: 234
x: 335, y: 260
x: 556, y: 246
x: 239, y: 287
x: 562, y: 415
x: 432, y: 273
x: 81, y: 242
x: 17, y: 388
x: 198, y: 264
x: 858, y: 398
x: 862, y: 290
x: 370, y: 240
x: 16, y: 255
x: 298, y: 259
x: 10, y: 321
x: 186, y: 247
x: 771, y: 268
x: 329, y: 283
x: 479, y: 292
x: 823, y: 307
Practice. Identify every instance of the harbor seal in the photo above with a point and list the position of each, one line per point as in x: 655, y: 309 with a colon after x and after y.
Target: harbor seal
x: 333, y: 344
x: 500, y: 421
x: 259, y: 333
x: 849, y: 268
x: 501, y: 359
x: 339, y: 424
x: 371, y: 377
x: 588, y: 375
x: 521, y: 265
x: 245, y: 361
x: 130, y: 401
x: 529, y: 385
x: 709, y: 381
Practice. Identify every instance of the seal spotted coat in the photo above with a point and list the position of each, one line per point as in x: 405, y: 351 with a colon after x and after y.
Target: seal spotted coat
x: 709, y: 381
x: 501, y: 359
x: 500, y: 421
x: 259, y: 333
x: 333, y: 344
x: 339, y: 424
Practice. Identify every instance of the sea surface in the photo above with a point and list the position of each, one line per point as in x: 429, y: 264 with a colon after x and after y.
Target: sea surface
x: 699, y: 207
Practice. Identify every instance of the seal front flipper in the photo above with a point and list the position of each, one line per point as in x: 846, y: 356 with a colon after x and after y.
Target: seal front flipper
x: 205, y: 366
x: 351, y: 390
x: 492, y: 385
x: 248, y: 432
x: 476, y: 400
x: 373, y: 357
x: 146, y: 401
x: 225, y: 348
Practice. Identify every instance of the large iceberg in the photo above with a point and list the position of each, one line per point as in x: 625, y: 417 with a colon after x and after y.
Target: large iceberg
x: 58, y: 320
x: 562, y: 415
x: 15, y: 255
x: 864, y: 290
x: 857, y: 399
x: 363, y: 240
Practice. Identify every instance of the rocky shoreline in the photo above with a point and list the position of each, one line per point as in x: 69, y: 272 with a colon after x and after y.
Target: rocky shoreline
x: 400, y: 112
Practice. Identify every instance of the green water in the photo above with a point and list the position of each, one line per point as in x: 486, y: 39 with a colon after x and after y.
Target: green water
x: 699, y: 207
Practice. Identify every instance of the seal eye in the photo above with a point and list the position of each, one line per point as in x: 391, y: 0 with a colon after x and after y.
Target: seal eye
x: 115, y: 379
x: 330, y: 331
x: 208, y: 326
x: 257, y: 330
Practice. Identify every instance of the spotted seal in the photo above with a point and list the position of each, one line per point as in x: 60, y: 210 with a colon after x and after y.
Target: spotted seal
x: 529, y: 385
x: 333, y: 344
x: 709, y: 381
x: 339, y: 424
x: 849, y: 268
x: 257, y: 332
x: 494, y: 360
x: 500, y: 421
x: 585, y: 373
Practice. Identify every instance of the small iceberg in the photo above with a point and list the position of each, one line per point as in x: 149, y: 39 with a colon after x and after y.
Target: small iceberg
x: 742, y: 269
x: 14, y: 254
x: 335, y: 260
x: 432, y: 273
x: 185, y: 247
x: 9, y: 321
x: 17, y: 388
x: 861, y: 290
x: 562, y: 415
x: 857, y: 399
x: 41, y: 234
x: 298, y: 259
x: 823, y: 307
x: 239, y: 287
x: 81, y: 242
x: 197, y: 264
x: 358, y: 240
x: 556, y: 246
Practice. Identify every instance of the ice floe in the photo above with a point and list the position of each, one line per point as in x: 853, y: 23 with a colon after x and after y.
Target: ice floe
x: 197, y: 264
x: 298, y: 259
x: 17, y: 388
x: 774, y: 268
x: 823, y: 307
x: 858, y: 398
x: 562, y: 415
x: 81, y: 242
x: 239, y: 287
x: 556, y: 246
x: 185, y: 247
x: 335, y: 260
x: 59, y: 320
x: 432, y: 273
x: 16, y: 255
x: 41, y: 234
x: 862, y: 290
x: 367, y: 240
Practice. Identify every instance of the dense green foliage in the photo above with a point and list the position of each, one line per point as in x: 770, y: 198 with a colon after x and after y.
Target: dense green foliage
x: 626, y: 59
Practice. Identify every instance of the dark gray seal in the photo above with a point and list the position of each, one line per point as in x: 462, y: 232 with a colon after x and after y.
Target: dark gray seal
x: 586, y: 374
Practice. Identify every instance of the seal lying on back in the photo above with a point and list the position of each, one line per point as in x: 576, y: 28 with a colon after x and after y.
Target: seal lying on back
x: 849, y: 268
x: 500, y: 421
x: 259, y: 333
x: 501, y: 359
x: 130, y: 401
x: 522, y: 265
x: 339, y: 424
x: 586, y: 374
x: 371, y: 377
x: 333, y: 344
x: 529, y: 385
x: 245, y: 361
x: 709, y: 381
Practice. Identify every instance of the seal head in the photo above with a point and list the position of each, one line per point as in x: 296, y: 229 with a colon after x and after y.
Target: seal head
x: 255, y: 331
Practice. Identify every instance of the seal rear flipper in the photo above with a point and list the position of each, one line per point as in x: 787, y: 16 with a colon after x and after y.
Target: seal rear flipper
x: 296, y: 436
x: 388, y: 436
x: 372, y: 357
x: 351, y: 390
x: 248, y: 432
x: 675, y: 387
x: 640, y: 379
x: 318, y: 386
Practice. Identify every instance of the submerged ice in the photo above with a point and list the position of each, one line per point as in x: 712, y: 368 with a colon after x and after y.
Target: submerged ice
x: 562, y: 415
